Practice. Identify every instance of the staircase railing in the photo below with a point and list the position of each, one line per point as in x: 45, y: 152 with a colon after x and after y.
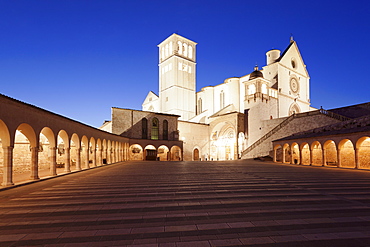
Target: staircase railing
x: 268, y: 134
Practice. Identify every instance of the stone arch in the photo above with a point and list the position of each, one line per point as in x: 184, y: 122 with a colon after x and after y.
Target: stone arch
x: 150, y: 152
x: 136, y: 152
x: 63, y: 151
x: 4, y: 134
x: 196, y: 154
x: 287, y: 156
x: 346, y: 154
x: 6, y: 159
x: 85, y: 152
x: 251, y: 89
x: 330, y: 153
x: 295, y: 151
x: 25, y: 152
x: 278, y: 153
x: 294, y: 109
x: 176, y: 153
x: 47, y: 152
x: 305, y: 154
x: 75, y: 152
x: 163, y: 153
x: 223, y: 142
x: 363, y: 152
x: 316, y: 154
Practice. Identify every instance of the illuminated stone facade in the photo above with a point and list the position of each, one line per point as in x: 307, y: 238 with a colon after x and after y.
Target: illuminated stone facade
x: 235, y: 111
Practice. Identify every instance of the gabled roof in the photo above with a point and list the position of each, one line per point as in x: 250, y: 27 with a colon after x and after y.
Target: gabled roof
x: 291, y: 46
x: 152, y: 95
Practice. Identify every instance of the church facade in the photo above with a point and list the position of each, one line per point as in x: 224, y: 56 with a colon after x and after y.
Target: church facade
x: 219, y: 122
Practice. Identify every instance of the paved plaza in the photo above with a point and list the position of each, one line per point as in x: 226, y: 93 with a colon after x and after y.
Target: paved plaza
x: 231, y: 203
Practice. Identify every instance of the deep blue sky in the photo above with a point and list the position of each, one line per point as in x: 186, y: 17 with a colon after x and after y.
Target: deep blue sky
x: 79, y: 58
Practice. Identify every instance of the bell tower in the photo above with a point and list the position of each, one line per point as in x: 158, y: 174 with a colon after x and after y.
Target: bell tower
x: 177, y: 67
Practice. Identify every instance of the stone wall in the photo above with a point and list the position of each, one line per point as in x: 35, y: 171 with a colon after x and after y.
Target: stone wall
x: 194, y: 135
x: 301, y: 122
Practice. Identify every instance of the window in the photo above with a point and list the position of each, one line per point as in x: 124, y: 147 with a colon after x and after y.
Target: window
x: 264, y: 89
x: 166, y: 52
x: 165, y: 130
x: 251, y: 89
x: 200, y: 106
x: 144, y: 128
x: 180, y: 47
x: 185, y: 52
x: 155, y: 129
x: 170, y: 49
x: 190, y: 52
x: 222, y: 99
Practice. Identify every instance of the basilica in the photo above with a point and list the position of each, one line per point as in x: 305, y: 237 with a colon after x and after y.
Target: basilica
x: 220, y: 122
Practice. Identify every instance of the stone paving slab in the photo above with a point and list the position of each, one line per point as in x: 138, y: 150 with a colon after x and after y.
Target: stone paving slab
x: 232, y: 203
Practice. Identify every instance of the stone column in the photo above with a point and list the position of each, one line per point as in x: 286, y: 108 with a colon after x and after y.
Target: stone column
x: 53, y: 161
x: 35, y: 163
x: 67, y: 159
x: 300, y: 156
x: 7, y: 166
x: 283, y: 155
x: 275, y: 155
x: 107, y: 156
x: 87, y: 166
x: 311, y: 157
x: 78, y: 159
x: 98, y: 157
x: 101, y: 156
x: 94, y: 157
x: 338, y: 158
x: 323, y: 156
x: 357, y: 160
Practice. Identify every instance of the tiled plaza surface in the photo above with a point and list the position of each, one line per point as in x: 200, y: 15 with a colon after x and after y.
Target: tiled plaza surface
x: 233, y: 203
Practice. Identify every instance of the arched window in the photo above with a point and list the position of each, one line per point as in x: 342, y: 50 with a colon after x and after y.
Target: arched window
x: 144, y: 128
x: 162, y: 51
x: 170, y: 49
x: 180, y: 47
x: 200, y: 110
x: 222, y: 99
x: 190, y: 52
x: 155, y: 129
x: 264, y: 89
x: 165, y: 130
x: 185, y: 52
x: 251, y: 89
x: 166, y: 50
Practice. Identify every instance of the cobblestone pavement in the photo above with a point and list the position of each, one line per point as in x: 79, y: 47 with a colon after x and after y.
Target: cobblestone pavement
x: 233, y: 203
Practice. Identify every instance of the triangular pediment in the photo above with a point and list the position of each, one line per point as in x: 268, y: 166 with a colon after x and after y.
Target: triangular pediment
x: 150, y: 97
x: 292, y: 59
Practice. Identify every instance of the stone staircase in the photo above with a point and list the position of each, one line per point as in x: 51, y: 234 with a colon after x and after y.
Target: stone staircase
x: 271, y: 135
